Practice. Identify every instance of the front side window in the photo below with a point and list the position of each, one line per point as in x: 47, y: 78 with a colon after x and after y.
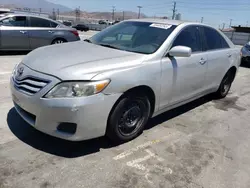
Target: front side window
x: 214, y: 40
x: 139, y: 37
x: 15, y: 21
x: 189, y: 37
x: 39, y: 22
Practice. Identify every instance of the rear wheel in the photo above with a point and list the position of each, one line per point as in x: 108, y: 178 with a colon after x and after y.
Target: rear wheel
x: 128, y: 118
x: 58, y: 41
x: 225, y: 85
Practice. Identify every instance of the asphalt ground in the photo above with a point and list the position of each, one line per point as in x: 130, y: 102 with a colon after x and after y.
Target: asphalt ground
x: 203, y: 144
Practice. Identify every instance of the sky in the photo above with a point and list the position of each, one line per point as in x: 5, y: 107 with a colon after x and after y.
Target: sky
x: 214, y: 12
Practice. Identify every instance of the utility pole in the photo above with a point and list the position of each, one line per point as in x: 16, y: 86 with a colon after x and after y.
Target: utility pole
x: 58, y: 14
x: 247, y: 24
x: 113, y: 13
x: 139, y: 13
x: 230, y: 24
x: 223, y: 26
x: 123, y: 15
x: 53, y: 14
x: 78, y: 14
x: 174, y: 11
x: 40, y: 10
x: 201, y: 19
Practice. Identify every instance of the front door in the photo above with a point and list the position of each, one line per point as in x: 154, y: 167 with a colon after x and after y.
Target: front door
x: 14, y: 33
x: 188, y: 73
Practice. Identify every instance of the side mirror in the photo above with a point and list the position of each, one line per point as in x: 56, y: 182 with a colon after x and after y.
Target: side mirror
x: 180, y: 51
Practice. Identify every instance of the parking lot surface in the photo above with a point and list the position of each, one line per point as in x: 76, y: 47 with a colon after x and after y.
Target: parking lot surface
x: 202, y: 144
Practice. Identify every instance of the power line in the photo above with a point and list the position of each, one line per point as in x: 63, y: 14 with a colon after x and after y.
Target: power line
x: 213, y: 8
x: 157, y: 5
x: 213, y: 3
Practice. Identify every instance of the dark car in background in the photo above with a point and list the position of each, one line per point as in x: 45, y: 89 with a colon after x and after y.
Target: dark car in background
x: 81, y: 27
x: 27, y: 32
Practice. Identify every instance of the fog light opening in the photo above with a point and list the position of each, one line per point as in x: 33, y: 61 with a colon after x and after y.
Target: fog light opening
x: 68, y: 128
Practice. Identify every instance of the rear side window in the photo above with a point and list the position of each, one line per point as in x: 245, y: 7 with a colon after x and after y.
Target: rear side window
x: 214, y: 40
x: 39, y: 22
x: 53, y: 24
x: 189, y: 37
x: 15, y: 21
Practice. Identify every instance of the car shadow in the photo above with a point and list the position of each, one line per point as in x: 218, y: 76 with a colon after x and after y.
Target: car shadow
x: 245, y: 64
x: 68, y: 149
x: 12, y: 53
x: 178, y: 111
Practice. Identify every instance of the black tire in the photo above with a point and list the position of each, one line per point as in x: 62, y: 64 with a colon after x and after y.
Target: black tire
x: 225, y: 85
x: 58, y: 41
x: 128, y: 118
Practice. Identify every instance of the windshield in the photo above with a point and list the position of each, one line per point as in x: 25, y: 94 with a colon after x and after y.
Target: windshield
x: 139, y: 37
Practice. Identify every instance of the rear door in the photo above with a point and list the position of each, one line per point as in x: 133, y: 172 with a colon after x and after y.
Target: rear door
x: 219, y: 55
x: 41, y: 31
x: 14, y: 33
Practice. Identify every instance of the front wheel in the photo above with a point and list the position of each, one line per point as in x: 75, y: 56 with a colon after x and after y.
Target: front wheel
x: 128, y: 118
x: 225, y: 85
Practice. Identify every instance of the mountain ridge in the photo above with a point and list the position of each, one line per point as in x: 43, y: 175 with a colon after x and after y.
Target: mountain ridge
x: 45, y: 5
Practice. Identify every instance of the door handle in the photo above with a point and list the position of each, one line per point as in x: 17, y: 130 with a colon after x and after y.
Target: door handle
x: 51, y: 31
x: 202, y: 61
x: 229, y: 55
x: 23, y: 32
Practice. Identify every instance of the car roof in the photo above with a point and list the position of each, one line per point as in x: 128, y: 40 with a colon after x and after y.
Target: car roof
x: 27, y: 14
x: 167, y: 21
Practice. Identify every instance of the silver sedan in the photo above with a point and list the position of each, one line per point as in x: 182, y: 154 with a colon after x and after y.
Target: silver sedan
x: 112, y: 83
x: 27, y: 32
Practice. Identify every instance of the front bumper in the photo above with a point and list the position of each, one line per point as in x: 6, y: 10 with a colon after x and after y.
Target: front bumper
x: 90, y: 114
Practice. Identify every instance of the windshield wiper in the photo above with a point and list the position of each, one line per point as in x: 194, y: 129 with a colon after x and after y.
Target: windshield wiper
x: 87, y: 40
x: 109, y: 46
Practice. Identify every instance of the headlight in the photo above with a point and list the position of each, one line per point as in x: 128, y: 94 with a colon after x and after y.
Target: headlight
x: 77, y: 89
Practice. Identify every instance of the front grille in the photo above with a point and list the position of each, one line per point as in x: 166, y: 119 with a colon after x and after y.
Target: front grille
x: 30, y: 85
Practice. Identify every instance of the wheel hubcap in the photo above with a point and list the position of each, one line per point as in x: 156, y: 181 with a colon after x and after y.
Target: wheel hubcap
x: 130, y: 119
x: 226, y: 85
x: 58, y: 42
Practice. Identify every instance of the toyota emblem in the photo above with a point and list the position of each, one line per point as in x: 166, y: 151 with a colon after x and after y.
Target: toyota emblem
x: 20, y: 71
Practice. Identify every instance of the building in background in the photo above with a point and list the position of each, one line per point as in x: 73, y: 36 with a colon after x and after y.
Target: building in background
x: 4, y: 10
x: 178, y: 16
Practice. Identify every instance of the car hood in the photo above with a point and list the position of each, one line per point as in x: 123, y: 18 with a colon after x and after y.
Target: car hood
x: 79, y: 60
